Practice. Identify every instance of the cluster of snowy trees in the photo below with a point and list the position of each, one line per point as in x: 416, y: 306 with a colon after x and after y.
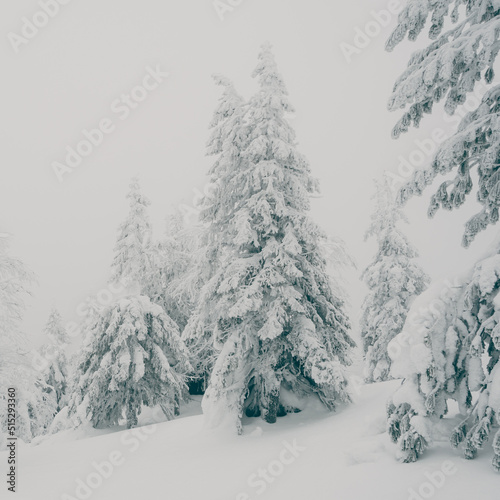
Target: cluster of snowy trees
x: 450, y: 345
x: 247, y: 288
x: 243, y: 307
x: 240, y: 306
x: 133, y: 355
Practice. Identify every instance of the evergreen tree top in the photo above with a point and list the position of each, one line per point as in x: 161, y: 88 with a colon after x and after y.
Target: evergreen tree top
x: 387, y: 212
x: 228, y: 116
x: 135, y: 195
x: 267, y: 70
x: 273, y: 91
x: 130, y: 262
x: 229, y: 101
x: 384, y: 223
x: 54, y: 328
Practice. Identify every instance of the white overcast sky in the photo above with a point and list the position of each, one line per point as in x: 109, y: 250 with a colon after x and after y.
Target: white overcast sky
x: 66, y: 77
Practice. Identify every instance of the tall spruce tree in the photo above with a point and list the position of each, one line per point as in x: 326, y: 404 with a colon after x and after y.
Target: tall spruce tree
x: 442, y: 348
x: 276, y: 321
x: 393, y: 279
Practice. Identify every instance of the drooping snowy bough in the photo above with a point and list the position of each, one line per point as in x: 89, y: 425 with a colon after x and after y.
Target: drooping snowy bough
x: 448, y: 69
x: 452, y: 351
x: 449, y: 349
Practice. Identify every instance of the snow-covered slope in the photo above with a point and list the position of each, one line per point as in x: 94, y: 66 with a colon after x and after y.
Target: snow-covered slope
x: 310, y: 455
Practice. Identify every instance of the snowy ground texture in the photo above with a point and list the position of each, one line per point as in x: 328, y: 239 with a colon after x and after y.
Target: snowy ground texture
x: 310, y: 455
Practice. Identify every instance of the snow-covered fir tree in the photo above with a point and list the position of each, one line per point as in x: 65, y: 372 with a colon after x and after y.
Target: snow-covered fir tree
x: 450, y: 349
x: 226, y: 143
x: 54, y: 352
x: 35, y: 407
x: 131, y: 261
x: 54, y: 328
x: 134, y: 357
x: 276, y: 321
x: 394, y: 279
x: 448, y: 69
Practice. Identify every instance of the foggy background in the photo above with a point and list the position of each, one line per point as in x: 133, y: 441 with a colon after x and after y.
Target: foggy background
x: 65, y: 79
